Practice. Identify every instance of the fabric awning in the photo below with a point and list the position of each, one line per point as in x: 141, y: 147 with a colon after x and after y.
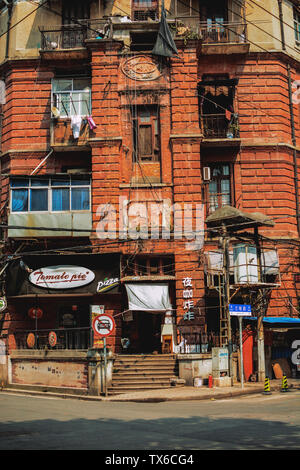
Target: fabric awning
x: 103, y: 269
x: 148, y: 297
x: 277, y: 320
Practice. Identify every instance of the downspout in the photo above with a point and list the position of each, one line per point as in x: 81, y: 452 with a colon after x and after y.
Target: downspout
x: 9, y: 4
x: 281, y: 24
x: 293, y: 134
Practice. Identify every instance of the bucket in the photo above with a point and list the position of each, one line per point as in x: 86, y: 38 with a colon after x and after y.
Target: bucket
x: 198, y: 382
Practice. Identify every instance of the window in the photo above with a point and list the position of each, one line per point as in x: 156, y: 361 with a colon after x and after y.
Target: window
x: 74, y: 10
x: 144, y: 9
x: 50, y: 194
x: 149, y: 266
x: 72, y: 96
x: 146, y: 144
x: 219, y: 187
x: 297, y: 24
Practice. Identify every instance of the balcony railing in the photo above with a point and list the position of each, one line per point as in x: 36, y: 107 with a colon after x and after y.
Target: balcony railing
x: 214, y: 33
x: 67, y: 338
x: 223, y: 32
x: 73, y: 36
x: 217, y: 126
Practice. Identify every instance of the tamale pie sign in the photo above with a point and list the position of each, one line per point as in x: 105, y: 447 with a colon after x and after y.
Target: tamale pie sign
x: 103, y: 325
x: 61, y: 277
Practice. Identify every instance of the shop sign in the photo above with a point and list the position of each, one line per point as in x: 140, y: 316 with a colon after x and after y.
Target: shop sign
x: 61, y: 277
x: 107, y: 284
x: 3, y: 304
x: 187, y: 294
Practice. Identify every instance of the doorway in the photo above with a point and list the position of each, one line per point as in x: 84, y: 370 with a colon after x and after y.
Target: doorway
x: 143, y: 332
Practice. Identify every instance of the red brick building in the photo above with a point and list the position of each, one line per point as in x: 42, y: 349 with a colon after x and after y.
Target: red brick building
x: 97, y: 132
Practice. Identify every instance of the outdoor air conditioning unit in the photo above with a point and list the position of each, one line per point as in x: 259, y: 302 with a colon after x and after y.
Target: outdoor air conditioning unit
x: 206, y: 173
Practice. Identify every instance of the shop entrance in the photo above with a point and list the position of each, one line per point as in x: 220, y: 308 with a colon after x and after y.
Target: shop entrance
x: 143, y: 331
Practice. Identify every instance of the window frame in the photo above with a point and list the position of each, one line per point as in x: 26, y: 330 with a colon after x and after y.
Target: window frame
x: 56, y: 97
x: 139, y: 122
x: 296, y: 19
x: 211, y: 207
x: 50, y: 188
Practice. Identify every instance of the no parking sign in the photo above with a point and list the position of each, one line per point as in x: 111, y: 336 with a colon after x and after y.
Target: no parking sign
x: 103, y: 325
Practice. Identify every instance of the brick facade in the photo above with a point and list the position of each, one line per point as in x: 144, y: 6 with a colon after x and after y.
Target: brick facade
x: 263, y: 165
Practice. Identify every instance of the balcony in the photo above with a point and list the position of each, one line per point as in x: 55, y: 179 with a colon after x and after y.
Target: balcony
x: 216, y: 38
x: 68, y: 41
x: 62, y: 137
x: 218, y: 129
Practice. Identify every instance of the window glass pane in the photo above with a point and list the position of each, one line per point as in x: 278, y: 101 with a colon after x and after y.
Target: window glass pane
x: 212, y: 187
x: 144, y: 115
x: 19, y: 200
x: 60, y: 182
x: 39, y: 199
x: 60, y: 199
x: 226, y: 170
x: 85, y: 104
x: 62, y: 84
x: 80, y: 199
x: 19, y: 183
x: 80, y: 182
x: 63, y: 104
x: 81, y: 84
x: 39, y: 182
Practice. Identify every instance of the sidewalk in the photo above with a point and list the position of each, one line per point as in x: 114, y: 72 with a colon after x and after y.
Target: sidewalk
x: 180, y: 393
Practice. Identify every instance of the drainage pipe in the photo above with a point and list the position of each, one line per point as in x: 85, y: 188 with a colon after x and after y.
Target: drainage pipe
x: 293, y: 134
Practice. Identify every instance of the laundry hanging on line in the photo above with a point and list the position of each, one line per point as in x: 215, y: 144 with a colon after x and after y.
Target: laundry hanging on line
x: 76, y: 125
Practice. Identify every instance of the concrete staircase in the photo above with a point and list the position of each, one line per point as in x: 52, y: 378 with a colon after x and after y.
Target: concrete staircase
x: 133, y: 373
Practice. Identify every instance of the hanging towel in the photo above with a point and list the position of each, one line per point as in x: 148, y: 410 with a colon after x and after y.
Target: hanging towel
x: 76, y: 125
x: 91, y: 122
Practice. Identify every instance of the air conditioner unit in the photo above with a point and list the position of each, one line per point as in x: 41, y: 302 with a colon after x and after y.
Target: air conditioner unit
x: 206, y: 173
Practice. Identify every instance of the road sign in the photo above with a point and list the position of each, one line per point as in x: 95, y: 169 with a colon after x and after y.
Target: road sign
x: 240, y: 309
x: 103, y: 325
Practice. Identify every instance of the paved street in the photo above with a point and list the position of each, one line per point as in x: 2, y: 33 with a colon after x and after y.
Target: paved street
x: 248, y: 423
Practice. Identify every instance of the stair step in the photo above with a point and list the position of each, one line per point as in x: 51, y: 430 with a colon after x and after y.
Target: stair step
x: 133, y: 373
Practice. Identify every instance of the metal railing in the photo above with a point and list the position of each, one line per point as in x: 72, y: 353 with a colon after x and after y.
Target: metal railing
x: 210, y: 32
x: 217, y: 126
x: 190, y: 342
x: 73, y: 36
x: 66, y: 338
x: 223, y: 32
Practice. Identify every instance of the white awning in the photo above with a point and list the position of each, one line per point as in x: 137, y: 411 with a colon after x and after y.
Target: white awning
x: 148, y: 297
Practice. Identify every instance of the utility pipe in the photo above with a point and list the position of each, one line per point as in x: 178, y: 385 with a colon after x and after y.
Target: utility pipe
x: 293, y: 135
x: 281, y: 24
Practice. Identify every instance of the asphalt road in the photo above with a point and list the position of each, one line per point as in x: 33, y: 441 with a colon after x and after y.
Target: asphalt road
x: 255, y: 422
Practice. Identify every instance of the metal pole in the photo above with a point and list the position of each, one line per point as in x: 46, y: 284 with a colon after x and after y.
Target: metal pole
x: 105, y: 372
x: 241, y: 351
